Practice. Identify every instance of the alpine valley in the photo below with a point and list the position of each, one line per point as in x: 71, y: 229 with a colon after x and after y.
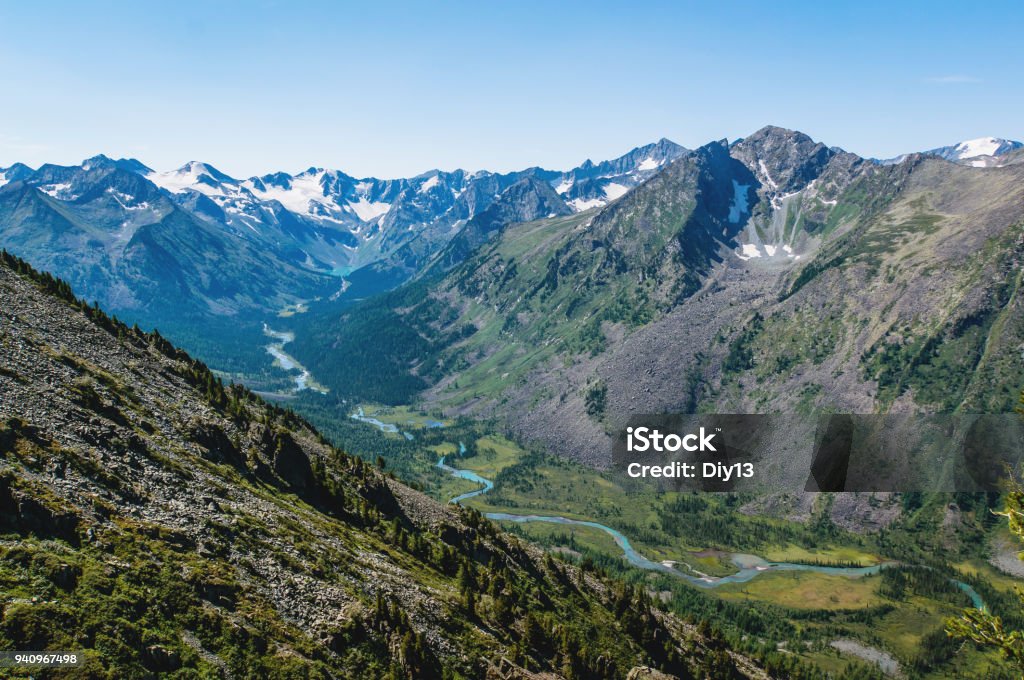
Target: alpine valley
x: 456, y: 352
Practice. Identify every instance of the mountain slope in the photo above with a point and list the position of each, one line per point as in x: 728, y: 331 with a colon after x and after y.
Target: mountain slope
x: 487, y: 201
x: 162, y: 522
x: 525, y: 201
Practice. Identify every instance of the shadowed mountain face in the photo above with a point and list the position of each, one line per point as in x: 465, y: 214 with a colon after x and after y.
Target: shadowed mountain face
x: 771, y: 274
x: 525, y: 201
x: 163, y: 522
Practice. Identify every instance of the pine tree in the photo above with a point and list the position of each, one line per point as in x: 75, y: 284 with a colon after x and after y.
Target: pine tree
x: 982, y: 627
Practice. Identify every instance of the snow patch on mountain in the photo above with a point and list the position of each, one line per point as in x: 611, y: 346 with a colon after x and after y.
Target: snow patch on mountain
x: 581, y: 204
x: 367, y: 210
x: 429, y: 184
x: 125, y: 200
x: 614, y: 190
x: 649, y: 164
x: 59, y: 191
x: 750, y: 250
x: 983, y: 146
x: 298, y: 194
x: 767, y: 176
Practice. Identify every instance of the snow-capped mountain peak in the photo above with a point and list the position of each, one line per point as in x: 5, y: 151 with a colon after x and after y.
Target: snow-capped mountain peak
x: 984, y: 146
x: 14, y: 173
x: 592, y: 185
x: 297, y: 194
x: 195, y: 176
x: 983, y: 152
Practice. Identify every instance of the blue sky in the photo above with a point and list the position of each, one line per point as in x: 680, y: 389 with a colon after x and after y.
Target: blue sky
x: 394, y: 89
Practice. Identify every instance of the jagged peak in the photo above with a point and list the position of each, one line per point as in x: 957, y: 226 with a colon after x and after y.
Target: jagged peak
x: 17, y: 170
x: 714, y: 146
x: 102, y: 161
x: 778, y: 131
x: 202, y: 168
x: 98, y: 159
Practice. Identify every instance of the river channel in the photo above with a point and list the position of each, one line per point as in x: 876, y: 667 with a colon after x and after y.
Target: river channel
x: 276, y: 349
x: 748, y: 566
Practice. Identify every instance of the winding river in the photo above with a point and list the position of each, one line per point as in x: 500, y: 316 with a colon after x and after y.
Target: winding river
x: 391, y: 428
x: 748, y: 566
x: 285, y: 360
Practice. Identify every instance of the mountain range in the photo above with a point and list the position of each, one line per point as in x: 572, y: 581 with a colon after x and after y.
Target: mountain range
x: 170, y: 248
x: 983, y: 152
x: 315, y: 224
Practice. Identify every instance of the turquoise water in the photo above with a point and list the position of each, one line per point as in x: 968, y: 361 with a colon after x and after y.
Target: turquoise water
x: 285, y: 360
x: 382, y: 426
x: 466, y: 474
x: 971, y: 593
x: 392, y: 428
x: 748, y: 566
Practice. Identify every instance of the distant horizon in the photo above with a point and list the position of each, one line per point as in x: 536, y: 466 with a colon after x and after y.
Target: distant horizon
x: 395, y: 89
x: 214, y: 164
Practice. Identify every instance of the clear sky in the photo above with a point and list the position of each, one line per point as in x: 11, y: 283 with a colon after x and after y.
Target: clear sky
x: 394, y: 89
